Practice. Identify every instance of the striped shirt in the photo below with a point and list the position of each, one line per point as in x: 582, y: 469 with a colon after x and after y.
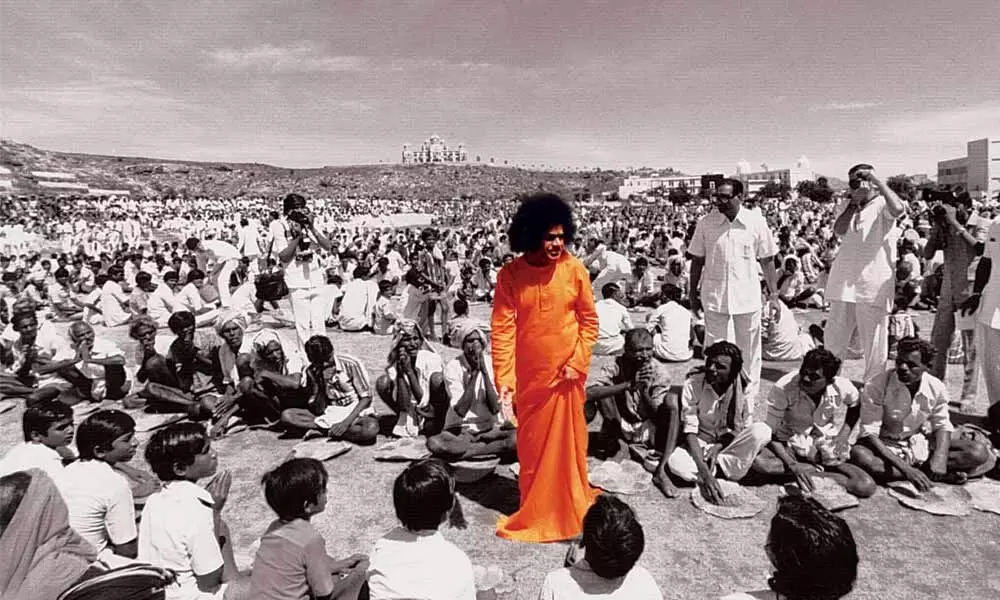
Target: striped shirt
x: 343, y: 383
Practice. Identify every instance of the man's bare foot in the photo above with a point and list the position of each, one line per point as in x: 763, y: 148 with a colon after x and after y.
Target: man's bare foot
x: 663, y: 483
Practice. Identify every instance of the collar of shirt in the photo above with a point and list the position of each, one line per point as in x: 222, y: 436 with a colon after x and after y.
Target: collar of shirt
x: 924, y: 391
x: 183, y: 488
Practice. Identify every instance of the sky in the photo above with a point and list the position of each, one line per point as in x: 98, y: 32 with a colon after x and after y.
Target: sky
x: 697, y: 86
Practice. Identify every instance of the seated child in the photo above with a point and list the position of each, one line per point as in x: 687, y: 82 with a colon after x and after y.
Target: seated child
x: 906, y: 429
x: 182, y: 527
x: 811, y: 413
x: 340, y: 404
x: 415, y: 560
x: 468, y: 424
x: 613, y: 541
x: 812, y: 551
x: 413, y: 381
x: 48, y: 431
x: 99, y: 498
x: 292, y: 563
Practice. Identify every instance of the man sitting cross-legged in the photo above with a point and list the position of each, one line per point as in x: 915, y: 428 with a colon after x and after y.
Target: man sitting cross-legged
x: 906, y: 431
x: 413, y: 382
x: 340, y: 404
x: 811, y: 413
x: 470, y: 418
x: 719, y: 433
x: 632, y: 394
x: 169, y: 380
x: 39, y: 363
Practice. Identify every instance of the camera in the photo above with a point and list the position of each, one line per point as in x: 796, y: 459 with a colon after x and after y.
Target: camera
x: 938, y: 211
x: 300, y: 216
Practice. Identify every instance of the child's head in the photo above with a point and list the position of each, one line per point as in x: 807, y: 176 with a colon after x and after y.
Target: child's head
x: 612, y: 537
x: 296, y: 489
x: 385, y: 287
x: 461, y: 307
x: 181, y: 451
x: 107, y: 435
x: 49, y: 423
x: 319, y: 350
x: 424, y: 494
x: 812, y: 551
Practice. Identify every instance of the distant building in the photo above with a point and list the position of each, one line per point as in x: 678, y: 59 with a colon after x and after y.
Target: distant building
x: 753, y: 181
x: 434, y: 150
x: 640, y: 185
x: 978, y: 171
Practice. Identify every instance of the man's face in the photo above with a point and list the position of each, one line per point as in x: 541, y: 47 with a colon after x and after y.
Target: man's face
x: 812, y: 380
x: 725, y: 200
x: 232, y: 335
x: 472, y: 347
x: 199, y: 283
x: 909, y: 367
x: 63, y: 281
x: 554, y: 243
x: 718, y: 369
x: 640, y: 351
x: 83, y: 334
x: 146, y: 336
x: 27, y: 327
x: 186, y: 336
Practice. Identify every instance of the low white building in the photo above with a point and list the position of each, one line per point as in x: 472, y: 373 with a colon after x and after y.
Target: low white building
x: 639, y: 185
x: 978, y: 171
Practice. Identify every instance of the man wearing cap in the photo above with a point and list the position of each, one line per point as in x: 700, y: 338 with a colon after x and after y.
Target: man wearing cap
x: 861, y: 284
x: 730, y: 249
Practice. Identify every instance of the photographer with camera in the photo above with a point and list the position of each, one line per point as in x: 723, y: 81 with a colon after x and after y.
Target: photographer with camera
x: 304, y: 276
x: 952, y: 234
x: 861, y: 285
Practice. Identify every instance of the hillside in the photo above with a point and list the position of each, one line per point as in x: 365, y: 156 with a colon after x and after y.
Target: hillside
x: 25, y: 169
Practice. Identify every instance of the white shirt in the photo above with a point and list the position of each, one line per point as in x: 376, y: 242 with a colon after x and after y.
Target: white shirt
x: 357, y: 304
x: 419, y: 566
x: 112, y: 298
x: 32, y: 455
x: 303, y: 273
x: 189, y: 298
x: 613, y: 319
x: 160, y: 304
x: 101, y: 507
x: 730, y: 279
x: 673, y: 342
x: 220, y: 251
x: 426, y: 364
x: 580, y: 583
x: 864, y: 269
x: 457, y: 378
x: 249, y: 241
x: 890, y: 412
x: 177, y: 532
x: 989, y: 304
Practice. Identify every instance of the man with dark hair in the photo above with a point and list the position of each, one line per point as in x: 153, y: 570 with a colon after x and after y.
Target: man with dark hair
x: 613, y: 319
x: 720, y: 436
x: 672, y: 327
x: 861, y: 285
x: 729, y: 251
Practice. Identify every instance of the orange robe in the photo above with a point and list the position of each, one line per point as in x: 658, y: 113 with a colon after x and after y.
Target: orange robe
x: 544, y: 319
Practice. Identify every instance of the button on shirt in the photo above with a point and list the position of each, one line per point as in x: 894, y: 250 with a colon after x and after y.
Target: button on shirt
x: 705, y: 413
x: 888, y: 411
x: 989, y: 304
x: 791, y: 411
x: 730, y: 279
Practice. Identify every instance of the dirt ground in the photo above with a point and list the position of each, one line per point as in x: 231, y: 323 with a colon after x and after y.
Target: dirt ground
x: 904, y: 554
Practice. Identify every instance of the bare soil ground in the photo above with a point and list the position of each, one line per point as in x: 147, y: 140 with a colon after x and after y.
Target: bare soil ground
x: 904, y: 554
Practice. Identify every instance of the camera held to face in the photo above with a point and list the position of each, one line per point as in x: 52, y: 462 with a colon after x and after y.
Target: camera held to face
x: 300, y: 216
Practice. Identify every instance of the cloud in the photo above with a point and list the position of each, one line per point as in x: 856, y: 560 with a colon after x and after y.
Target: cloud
x: 103, y: 92
x: 300, y: 58
x: 951, y: 127
x: 844, y: 106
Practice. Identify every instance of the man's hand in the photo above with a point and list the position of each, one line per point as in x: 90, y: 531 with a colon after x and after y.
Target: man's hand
x: 570, y: 374
x: 507, y: 405
x: 662, y: 482
x: 918, y: 479
x: 803, y: 476
x: 219, y: 488
x: 970, y: 305
x: 951, y: 215
x: 339, y: 429
x: 223, y: 406
x: 83, y: 352
x: 710, y: 489
x: 482, y: 364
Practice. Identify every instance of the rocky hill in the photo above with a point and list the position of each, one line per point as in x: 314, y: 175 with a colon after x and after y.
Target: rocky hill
x: 25, y: 169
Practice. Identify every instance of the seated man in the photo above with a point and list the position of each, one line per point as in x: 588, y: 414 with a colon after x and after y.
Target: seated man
x: 138, y: 301
x: 633, y: 395
x: 65, y: 305
x: 672, y: 327
x: 413, y: 381
x: 169, y: 380
x: 468, y: 423
x: 189, y: 299
x: 162, y: 302
x: 462, y: 324
x: 613, y: 320
x: 906, y: 431
x: 357, y: 306
x: 40, y: 364
x: 114, y: 300
x: 781, y: 337
x: 811, y: 413
x: 641, y: 286
x: 720, y: 436
x: 340, y: 402
x: 101, y: 362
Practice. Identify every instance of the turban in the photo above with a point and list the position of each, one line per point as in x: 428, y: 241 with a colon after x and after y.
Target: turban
x: 230, y: 316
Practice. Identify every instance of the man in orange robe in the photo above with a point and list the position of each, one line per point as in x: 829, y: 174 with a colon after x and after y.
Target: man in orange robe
x: 544, y: 325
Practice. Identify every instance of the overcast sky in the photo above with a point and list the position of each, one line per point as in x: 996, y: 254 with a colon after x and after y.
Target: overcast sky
x: 696, y: 85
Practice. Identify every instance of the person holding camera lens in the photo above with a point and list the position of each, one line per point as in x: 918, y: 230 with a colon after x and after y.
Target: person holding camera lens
x: 952, y: 233
x: 304, y: 276
x: 861, y: 285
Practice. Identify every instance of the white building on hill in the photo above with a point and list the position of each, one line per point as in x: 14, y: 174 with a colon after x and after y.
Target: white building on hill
x: 434, y: 150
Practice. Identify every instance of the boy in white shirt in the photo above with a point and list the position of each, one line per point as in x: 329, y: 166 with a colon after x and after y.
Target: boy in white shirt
x: 613, y: 541
x: 48, y: 431
x: 414, y: 560
x: 99, y: 498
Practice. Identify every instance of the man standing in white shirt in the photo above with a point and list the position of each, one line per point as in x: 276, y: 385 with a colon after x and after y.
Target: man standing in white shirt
x: 248, y: 243
x: 224, y: 258
x: 613, y: 321
x: 729, y: 250
x: 985, y: 303
x: 861, y: 285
